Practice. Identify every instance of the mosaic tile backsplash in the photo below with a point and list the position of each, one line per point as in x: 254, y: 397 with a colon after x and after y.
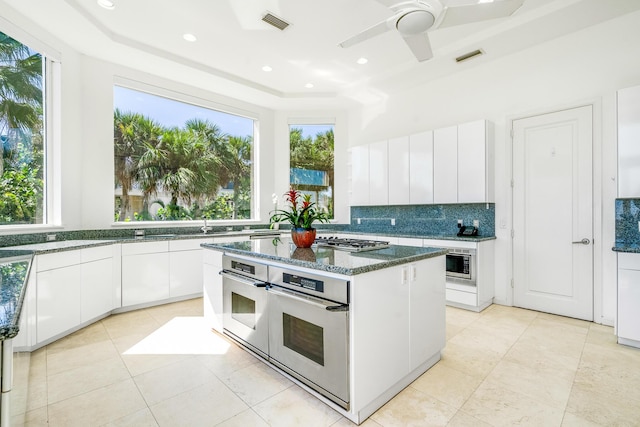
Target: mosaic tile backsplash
x: 433, y: 220
x: 627, y: 217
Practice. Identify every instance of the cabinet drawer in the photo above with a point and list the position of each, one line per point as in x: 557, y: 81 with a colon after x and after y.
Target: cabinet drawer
x: 97, y: 253
x: 58, y: 260
x: 137, y: 248
x: 187, y: 244
x: 461, y: 297
x: 629, y: 261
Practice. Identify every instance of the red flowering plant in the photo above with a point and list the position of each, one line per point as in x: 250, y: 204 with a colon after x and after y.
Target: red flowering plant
x: 302, y: 211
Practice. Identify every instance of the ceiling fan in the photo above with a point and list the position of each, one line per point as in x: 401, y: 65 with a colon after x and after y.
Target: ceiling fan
x: 413, y: 19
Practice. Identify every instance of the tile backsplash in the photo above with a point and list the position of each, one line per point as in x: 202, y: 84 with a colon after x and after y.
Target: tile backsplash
x: 435, y: 220
x: 627, y: 218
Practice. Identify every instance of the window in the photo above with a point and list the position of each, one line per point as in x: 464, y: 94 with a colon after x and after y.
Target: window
x: 22, y: 134
x: 178, y: 161
x: 311, y: 162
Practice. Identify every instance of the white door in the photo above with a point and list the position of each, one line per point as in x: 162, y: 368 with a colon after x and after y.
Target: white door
x: 552, y: 213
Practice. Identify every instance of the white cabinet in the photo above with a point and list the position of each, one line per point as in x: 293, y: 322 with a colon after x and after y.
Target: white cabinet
x: 475, y: 163
x: 445, y: 165
x: 628, y: 322
x: 212, y: 288
x: 185, y: 266
x: 98, y: 284
x: 399, y: 171
x: 57, y: 293
x: 360, y: 175
x: 628, y: 137
x: 378, y: 174
x: 421, y: 168
x: 145, y: 272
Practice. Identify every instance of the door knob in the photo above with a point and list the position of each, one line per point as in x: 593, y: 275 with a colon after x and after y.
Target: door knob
x: 584, y: 241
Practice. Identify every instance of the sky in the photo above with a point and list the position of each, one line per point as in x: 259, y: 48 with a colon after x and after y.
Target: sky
x: 170, y: 113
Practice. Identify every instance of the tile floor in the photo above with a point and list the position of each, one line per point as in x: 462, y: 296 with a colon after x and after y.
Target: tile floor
x: 161, y: 367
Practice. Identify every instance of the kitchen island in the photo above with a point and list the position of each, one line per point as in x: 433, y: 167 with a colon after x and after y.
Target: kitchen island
x: 353, y: 328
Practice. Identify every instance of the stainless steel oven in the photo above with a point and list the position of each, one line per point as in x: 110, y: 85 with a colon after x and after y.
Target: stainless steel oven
x: 309, y: 330
x: 244, y: 303
x: 461, y: 265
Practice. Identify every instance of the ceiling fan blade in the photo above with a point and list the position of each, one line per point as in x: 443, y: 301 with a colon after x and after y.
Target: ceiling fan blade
x: 420, y: 46
x: 377, y: 29
x: 458, y: 15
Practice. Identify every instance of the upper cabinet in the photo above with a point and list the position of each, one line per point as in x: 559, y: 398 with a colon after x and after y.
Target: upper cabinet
x: 448, y: 165
x: 628, y: 137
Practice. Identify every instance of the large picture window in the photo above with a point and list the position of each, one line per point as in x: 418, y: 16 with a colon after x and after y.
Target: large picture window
x: 22, y: 134
x: 178, y: 161
x: 311, y: 162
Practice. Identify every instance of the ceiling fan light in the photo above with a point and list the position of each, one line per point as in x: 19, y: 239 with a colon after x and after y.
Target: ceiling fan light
x: 415, y: 22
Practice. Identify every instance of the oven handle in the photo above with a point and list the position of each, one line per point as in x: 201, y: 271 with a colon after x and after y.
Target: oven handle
x: 311, y: 300
x: 242, y: 279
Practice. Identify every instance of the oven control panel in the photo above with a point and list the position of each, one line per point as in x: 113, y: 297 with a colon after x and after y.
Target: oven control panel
x: 303, y: 282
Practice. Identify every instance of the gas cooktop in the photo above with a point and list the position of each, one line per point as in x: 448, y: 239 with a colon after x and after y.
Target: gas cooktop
x: 352, y: 245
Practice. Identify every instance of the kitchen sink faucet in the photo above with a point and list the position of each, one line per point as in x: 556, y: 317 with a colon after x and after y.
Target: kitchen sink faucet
x: 205, y: 228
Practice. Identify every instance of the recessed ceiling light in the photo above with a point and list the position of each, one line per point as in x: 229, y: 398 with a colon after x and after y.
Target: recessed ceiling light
x: 485, y: 1
x: 189, y: 37
x: 107, y: 4
x: 267, y: 68
x: 309, y: 85
x: 362, y: 61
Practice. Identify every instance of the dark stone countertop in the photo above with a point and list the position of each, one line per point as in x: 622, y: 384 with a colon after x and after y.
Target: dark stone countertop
x: 633, y: 248
x: 327, y: 259
x: 14, y: 272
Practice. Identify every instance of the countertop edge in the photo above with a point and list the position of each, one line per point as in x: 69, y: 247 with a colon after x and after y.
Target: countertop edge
x: 626, y: 249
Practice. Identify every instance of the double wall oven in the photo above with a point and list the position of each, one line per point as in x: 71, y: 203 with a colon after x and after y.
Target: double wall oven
x: 298, y: 321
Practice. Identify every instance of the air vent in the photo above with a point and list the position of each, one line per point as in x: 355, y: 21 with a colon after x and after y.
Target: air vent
x: 469, y: 55
x: 275, y: 21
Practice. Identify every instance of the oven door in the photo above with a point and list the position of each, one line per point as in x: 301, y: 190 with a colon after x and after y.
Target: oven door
x: 308, y: 338
x: 244, y: 308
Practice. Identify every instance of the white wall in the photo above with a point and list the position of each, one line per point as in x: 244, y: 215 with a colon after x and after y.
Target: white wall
x: 584, y: 67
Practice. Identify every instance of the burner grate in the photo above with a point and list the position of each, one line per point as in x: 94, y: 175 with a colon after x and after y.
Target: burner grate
x: 353, y: 245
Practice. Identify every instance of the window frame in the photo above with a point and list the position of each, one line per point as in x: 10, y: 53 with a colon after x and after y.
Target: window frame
x: 181, y: 95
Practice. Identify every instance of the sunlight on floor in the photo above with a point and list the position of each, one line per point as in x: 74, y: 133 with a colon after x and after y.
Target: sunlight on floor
x: 181, y: 335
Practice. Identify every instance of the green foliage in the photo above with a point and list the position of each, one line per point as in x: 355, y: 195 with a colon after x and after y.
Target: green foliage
x: 21, y: 195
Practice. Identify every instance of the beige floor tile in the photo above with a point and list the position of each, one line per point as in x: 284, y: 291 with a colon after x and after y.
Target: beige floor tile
x: 414, y: 408
x: 571, y: 420
x: 164, y: 313
x: 583, y: 324
x: 91, y: 334
x: 603, y: 408
x: 224, y: 364
x: 496, y: 404
x: 602, y: 335
x: 477, y: 363
x: 244, y: 419
x: 206, y: 405
x: 345, y: 422
x: 256, y: 382
x: 142, y: 418
x: 462, y: 419
x: 460, y: 317
x: 553, y: 338
x: 139, y: 364
x: 83, y: 355
x: 447, y: 385
x: 97, y: 407
x: 526, y: 352
x: 73, y: 382
x: 34, y: 418
x: 485, y: 339
x: 296, y: 407
x: 452, y: 331
x: 550, y: 387
x: 130, y: 323
x: 168, y: 381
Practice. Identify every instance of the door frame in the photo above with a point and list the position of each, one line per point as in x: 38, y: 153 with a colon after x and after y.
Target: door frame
x: 597, y: 196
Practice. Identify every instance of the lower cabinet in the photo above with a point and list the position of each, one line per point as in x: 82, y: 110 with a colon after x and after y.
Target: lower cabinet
x: 58, y: 301
x: 145, y: 277
x: 628, y: 322
x: 185, y: 267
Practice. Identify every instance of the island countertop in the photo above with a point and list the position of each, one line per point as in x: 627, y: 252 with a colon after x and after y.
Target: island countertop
x: 14, y: 271
x: 327, y: 259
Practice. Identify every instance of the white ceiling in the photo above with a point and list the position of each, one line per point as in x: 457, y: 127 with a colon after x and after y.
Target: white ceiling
x: 233, y: 43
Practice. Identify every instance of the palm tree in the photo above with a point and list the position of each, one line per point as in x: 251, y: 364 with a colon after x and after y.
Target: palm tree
x: 238, y: 167
x: 132, y: 134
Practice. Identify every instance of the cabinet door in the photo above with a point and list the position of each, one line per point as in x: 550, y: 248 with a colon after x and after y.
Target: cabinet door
x: 472, y: 158
x: 145, y: 278
x: 421, y: 168
x: 57, y: 301
x: 628, y: 325
x: 628, y: 137
x: 445, y: 161
x: 378, y: 174
x: 96, y: 293
x: 360, y: 175
x: 185, y: 273
x: 399, y: 171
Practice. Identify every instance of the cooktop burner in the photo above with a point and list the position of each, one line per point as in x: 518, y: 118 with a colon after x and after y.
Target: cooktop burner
x: 353, y: 245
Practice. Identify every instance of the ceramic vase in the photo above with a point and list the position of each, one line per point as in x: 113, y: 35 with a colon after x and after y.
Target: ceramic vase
x: 303, y: 237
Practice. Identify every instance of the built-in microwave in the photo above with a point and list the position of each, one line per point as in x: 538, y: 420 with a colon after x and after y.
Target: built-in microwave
x: 461, y: 265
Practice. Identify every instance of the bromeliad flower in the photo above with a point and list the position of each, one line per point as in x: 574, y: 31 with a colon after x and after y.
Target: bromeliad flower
x: 300, y: 214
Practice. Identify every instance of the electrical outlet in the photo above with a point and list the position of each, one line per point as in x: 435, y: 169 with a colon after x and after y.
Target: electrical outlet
x: 638, y: 225
x: 393, y: 221
x: 358, y: 221
x: 476, y: 223
x: 51, y: 237
x: 460, y: 223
